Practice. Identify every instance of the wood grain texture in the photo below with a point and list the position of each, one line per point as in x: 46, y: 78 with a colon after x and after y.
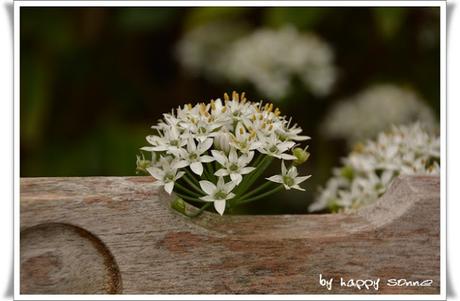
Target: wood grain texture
x: 136, y: 244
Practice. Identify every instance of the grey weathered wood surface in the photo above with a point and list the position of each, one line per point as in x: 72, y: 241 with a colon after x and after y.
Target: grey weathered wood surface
x: 118, y: 235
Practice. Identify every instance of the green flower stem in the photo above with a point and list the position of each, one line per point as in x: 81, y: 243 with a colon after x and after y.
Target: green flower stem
x: 207, y: 175
x: 199, y: 211
x: 260, y: 196
x: 188, y: 198
x: 210, y: 169
x: 192, y: 184
x: 247, y: 177
x: 258, y: 159
x: 258, y: 189
x: 252, y: 177
x: 186, y: 190
x: 192, y: 175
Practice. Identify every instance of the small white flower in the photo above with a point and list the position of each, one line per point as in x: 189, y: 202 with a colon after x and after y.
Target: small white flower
x: 289, y: 178
x: 193, y: 156
x: 170, y: 141
x: 218, y: 194
x: 202, y: 129
x: 285, y: 132
x: 274, y: 147
x: 233, y: 165
x: 244, y: 141
x: 165, y: 174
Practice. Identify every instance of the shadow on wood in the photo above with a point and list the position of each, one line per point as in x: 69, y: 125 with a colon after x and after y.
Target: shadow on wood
x: 118, y: 235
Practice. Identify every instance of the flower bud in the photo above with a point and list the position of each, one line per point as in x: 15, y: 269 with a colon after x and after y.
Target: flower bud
x: 142, y: 164
x: 179, y: 205
x: 301, y: 155
x: 222, y: 142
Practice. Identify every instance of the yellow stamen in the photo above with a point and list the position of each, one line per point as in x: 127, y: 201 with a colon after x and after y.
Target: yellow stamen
x: 226, y: 98
x: 270, y: 107
x: 235, y: 96
x: 203, y: 109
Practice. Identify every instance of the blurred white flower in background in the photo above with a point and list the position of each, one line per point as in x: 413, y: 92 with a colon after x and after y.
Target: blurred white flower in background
x: 369, y: 169
x: 270, y: 58
x: 374, y: 110
x: 201, y: 49
x: 267, y: 58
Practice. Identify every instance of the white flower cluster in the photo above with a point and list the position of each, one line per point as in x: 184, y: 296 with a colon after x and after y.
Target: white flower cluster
x: 374, y: 110
x: 270, y: 58
x: 267, y: 58
x: 201, y: 49
x: 368, y: 170
x: 214, y: 152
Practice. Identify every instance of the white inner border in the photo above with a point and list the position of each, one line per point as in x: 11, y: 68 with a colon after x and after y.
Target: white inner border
x: 441, y: 4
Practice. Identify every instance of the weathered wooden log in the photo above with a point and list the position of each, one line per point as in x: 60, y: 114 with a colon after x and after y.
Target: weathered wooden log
x: 119, y: 235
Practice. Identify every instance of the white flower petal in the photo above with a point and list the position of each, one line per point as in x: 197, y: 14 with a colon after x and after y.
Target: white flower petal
x: 297, y: 187
x: 156, y: 173
x: 236, y: 177
x: 205, y: 145
x: 207, y: 198
x: 246, y: 170
x: 179, y: 174
x: 220, y: 182
x: 249, y: 158
x: 233, y: 157
x: 206, y: 159
x: 207, y: 187
x: 220, y: 206
x: 287, y: 157
x: 197, y: 168
x: 148, y: 148
x: 221, y: 172
x: 299, y: 180
x: 219, y: 156
x: 276, y: 179
x: 229, y: 187
x: 283, y: 168
x: 169, y: 187
x: 179, y: 164
x: 191, y: 147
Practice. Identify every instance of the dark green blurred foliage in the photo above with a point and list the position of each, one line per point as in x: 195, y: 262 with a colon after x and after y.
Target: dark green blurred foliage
x: 93, y: 80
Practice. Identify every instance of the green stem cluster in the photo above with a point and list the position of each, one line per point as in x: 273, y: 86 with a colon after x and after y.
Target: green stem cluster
x: 188, y: 187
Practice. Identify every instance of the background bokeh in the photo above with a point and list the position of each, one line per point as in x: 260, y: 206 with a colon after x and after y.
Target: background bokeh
x: 93, y: 80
